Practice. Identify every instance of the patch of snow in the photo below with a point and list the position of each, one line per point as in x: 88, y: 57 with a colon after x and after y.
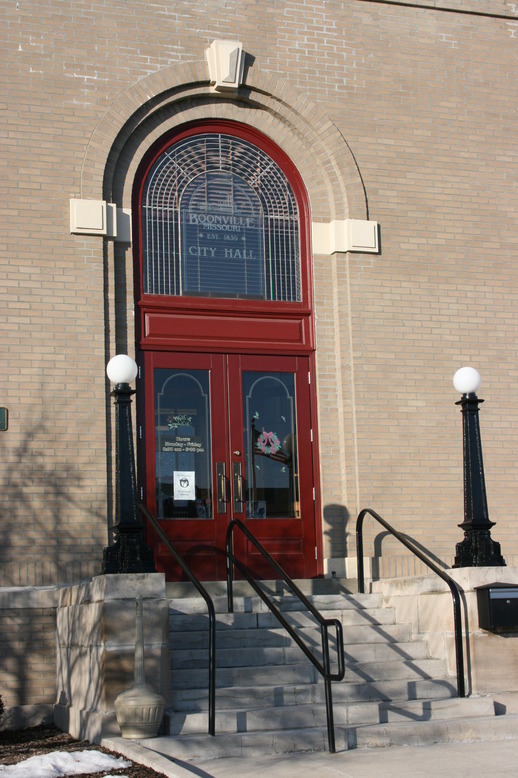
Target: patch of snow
x: 60, y: 763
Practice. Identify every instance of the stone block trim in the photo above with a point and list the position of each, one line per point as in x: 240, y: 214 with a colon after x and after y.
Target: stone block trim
x: 490, y: 659
x: 96, y: 648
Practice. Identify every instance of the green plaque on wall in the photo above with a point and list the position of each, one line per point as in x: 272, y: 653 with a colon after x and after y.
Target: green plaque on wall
x: 3, y: 419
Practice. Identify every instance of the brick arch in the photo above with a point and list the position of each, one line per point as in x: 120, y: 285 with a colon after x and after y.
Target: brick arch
x: 181, y: 93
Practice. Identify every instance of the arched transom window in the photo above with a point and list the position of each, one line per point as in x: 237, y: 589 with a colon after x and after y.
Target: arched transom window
x: 220, y: 219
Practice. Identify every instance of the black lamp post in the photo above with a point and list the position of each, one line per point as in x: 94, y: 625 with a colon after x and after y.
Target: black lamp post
x: 128, y: 553
x: 477, y: 549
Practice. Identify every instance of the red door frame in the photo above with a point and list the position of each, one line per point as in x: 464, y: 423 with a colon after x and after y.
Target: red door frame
x: 208, y: 533
x: 209, y: 326
x: 277, y: 535
x: 292, y: 541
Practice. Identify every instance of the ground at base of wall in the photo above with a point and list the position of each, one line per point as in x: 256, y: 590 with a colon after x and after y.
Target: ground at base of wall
x: 18, y: 745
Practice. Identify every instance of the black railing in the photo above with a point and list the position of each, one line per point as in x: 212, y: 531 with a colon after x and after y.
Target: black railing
x: 459, y: 652
x: 210, y: 607
x: 324, y: 667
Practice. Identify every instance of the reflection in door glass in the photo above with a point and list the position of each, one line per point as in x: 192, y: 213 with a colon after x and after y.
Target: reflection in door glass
x: 182, y: 434
x: 271, y: 472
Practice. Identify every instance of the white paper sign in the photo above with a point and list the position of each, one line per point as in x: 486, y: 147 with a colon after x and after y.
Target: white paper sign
x: 184, y: 487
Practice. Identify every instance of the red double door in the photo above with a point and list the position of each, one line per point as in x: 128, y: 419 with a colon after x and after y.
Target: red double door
x: 230, y: 436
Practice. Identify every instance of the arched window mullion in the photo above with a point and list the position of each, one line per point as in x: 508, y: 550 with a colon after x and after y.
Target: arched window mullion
x: 247, y: 240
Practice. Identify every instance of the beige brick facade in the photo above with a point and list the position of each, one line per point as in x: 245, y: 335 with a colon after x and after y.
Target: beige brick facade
x: 400, y: 113
x: 28, y: 651
x: 29, y: 681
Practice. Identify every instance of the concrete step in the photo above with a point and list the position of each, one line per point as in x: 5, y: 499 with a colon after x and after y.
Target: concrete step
x: 187, y: 622
x: 246, y: 744
x: 428, y: 732
x: 407, y: 671
x: 270, y: 698
x: 300, y: 673
x: 245, y: 638
x: 419, y: 710
x: 249, y: 664
x: 308, y: 586
x: 282, y: 717
x: 290, y: 653
x: 187, y: 700
x: 254, y: 720
x: 254, y: 604
x: 250, y: 744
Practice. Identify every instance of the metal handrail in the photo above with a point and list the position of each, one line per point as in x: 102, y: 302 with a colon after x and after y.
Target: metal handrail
x: 210, y: 607
x: 459, y: 652
x: 325, y: 668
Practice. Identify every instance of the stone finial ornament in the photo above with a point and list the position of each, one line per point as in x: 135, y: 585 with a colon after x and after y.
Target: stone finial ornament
x: 139, y: 709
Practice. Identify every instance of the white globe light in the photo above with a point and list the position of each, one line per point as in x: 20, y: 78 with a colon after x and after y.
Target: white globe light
x: 466, y: 380
x: 122, y: 369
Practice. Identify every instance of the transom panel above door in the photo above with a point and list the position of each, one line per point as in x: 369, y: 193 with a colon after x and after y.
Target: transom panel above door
x: 222, y: 221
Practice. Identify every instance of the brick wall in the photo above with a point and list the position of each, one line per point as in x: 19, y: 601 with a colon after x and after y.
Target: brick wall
x: 423, y: 102
x: 27, y: 654
x: 28, y: 650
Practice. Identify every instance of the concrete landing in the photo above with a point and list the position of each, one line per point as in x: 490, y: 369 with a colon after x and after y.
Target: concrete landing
x: 463, y: 760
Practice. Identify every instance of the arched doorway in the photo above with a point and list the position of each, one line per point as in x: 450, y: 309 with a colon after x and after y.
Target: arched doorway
x: 226, y: 345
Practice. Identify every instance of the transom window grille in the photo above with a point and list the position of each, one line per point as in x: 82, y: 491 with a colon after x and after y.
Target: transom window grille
x: 220, y: 219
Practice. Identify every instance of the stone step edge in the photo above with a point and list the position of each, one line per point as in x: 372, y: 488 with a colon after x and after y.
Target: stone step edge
x: 229, y: 678
x: 445, y: 684
x: 443, y: 709
x: 466, y: 729
x: 254, y: 604
x: 320, y: 586
x: 315, y: 738
x: 367, y: 667
x: 287, y: 642
x: 404, y: 704
x: 350, y: 618
x: 306, y: 629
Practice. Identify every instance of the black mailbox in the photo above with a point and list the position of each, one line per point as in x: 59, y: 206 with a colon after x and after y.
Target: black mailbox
x: 498, y: 606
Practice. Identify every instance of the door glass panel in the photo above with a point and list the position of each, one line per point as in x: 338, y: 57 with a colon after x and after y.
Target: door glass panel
x: 270, y: 445
x: 183, y: 454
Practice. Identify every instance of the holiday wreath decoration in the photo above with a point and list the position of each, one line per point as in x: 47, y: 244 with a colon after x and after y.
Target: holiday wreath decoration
x: 268, y: 442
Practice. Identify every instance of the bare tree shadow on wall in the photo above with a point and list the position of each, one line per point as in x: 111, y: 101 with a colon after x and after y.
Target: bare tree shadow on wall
x: 38, y: 545
x: 38, y: 498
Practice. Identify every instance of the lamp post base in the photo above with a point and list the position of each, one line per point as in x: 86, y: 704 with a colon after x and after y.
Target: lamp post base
x: 478, y: 549
x: 129, y: 554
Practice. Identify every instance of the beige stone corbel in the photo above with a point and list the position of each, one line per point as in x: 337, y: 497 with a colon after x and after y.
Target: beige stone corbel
x: 97, y: 217
x: 357, y: 235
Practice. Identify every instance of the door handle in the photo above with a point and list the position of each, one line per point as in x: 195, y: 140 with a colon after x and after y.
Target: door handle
x: 237, y: 477
x: 221, y: 480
